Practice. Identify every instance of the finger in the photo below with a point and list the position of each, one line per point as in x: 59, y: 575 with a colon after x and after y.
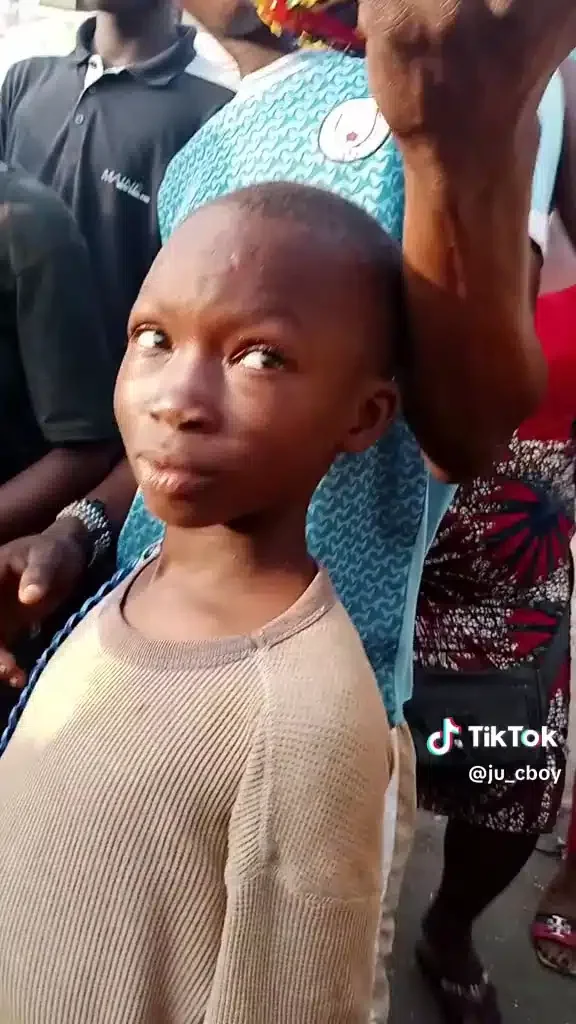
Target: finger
x: 38, y: 575
x: 10, y: 672
x: 13, y: 563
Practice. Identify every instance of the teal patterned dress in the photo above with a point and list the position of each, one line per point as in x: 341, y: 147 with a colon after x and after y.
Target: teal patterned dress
x: 309, y: 117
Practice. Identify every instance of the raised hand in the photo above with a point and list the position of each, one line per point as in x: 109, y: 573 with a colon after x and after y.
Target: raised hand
x: 463, y: 70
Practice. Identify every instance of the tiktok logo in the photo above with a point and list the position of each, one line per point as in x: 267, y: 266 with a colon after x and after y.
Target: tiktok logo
x: 441, y: 742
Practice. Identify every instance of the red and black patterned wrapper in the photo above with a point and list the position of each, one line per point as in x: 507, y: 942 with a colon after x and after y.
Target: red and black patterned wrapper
x: 315, y: 22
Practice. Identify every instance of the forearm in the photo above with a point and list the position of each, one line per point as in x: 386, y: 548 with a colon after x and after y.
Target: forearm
x: 116, y: 493
x: 474, y: 369
x: 30, y: 501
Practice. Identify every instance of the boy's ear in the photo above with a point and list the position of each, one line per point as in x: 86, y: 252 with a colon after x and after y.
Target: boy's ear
x: 377, y: 407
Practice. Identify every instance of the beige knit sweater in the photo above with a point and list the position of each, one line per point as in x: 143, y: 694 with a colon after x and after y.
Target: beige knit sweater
x: 191, y: 832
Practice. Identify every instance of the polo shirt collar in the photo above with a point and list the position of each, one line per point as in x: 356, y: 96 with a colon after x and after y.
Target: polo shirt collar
x: 159, y: 70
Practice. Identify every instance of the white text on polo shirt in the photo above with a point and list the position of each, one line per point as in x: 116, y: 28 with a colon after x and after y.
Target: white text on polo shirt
x: 124, y: 184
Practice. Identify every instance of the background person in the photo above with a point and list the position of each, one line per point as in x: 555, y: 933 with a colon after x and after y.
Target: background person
x: 100, y: 126
x: 57, y: 431
x: 496, y: 593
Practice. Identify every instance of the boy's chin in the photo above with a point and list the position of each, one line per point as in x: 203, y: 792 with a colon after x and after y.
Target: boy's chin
x: 182, y: 513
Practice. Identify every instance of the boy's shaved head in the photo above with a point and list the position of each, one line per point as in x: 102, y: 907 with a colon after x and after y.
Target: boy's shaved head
x: 346, y: 227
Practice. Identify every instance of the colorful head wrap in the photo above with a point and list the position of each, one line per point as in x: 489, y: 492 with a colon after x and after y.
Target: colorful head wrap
x: 315, y: 22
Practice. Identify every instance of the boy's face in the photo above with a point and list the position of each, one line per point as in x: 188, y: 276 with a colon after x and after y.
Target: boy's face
x: 246, y: 371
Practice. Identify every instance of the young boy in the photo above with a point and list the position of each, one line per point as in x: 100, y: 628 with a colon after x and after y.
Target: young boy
x: 214, y: 855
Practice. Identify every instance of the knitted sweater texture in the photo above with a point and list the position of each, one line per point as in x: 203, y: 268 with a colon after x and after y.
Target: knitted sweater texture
x: 190, y: 833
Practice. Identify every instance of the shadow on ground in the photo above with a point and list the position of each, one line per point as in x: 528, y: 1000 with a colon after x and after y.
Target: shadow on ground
x: 528, y: 993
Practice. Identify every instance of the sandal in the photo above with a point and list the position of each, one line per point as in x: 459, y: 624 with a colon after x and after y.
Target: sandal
x: 458, y: 1003
x: 551, y: 846
x: 554, y: 941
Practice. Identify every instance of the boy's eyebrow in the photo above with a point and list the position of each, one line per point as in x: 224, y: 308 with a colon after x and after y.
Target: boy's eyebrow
x: 146, y: 310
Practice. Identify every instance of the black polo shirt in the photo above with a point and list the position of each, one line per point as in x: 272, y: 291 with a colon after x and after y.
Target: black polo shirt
x: 104, y: 148
x: 56, y: 374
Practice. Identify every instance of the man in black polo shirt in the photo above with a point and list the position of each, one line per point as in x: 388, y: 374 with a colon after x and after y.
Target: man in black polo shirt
x: 57, y: 432
x: 57, y: 428
x: 100, y: 127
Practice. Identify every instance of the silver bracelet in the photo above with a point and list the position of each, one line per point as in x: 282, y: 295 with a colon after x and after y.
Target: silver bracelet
x: 92, y: 515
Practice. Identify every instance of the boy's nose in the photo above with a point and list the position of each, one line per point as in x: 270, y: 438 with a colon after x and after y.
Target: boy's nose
x: 189, y: 394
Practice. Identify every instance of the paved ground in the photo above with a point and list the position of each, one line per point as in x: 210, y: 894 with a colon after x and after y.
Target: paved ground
x: 529, y: 994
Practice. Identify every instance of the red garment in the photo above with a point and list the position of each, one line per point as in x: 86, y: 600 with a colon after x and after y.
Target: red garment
x: 498, y: 579
x: 556, y: 322
x: 556, y: 325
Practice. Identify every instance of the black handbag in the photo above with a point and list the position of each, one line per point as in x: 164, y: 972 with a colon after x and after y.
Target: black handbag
x: 494, y: 699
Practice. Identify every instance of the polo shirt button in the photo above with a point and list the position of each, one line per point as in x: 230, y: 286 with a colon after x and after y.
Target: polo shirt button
x: 79, y: 119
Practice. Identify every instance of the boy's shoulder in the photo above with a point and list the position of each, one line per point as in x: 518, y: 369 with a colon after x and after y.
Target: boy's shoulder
x: 327, y: 735
x: 319, y: 672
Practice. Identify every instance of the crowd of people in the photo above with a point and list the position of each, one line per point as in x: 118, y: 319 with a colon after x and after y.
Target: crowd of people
x: 288, y: 479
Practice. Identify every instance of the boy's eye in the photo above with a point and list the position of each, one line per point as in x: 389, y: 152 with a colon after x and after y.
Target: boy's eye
x: 260, y: 357
x: 150, y: 338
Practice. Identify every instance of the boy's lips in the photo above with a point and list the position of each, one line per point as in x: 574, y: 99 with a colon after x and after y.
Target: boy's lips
x: 170, y: 477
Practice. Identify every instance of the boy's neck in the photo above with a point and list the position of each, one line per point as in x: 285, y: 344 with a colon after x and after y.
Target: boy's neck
x: 121, y: 42
x: 221, y: 582
x: 241, y: 550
